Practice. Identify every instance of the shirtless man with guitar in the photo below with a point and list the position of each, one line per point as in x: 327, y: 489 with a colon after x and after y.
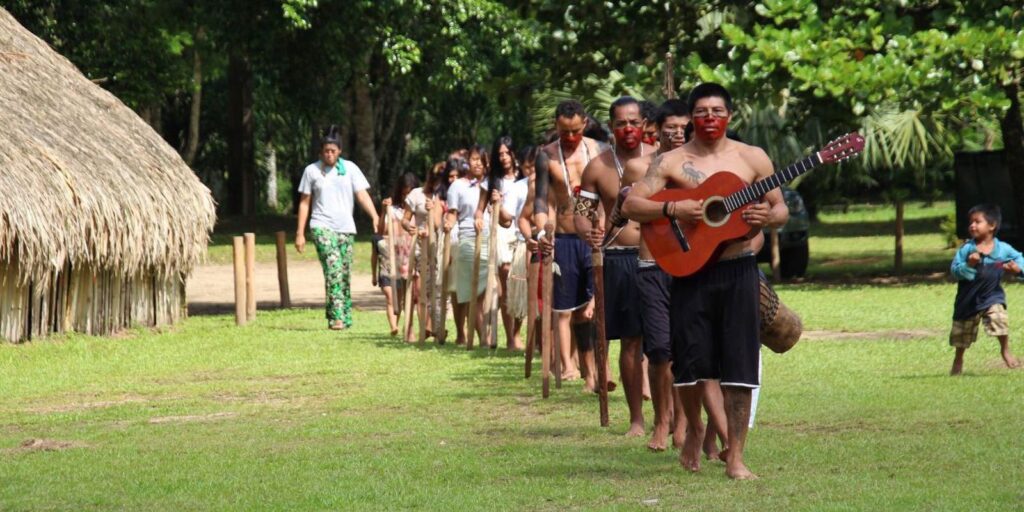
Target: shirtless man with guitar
x: 715, y: 307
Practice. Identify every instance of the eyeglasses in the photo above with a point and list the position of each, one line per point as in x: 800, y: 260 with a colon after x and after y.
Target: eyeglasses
x: 717, y: 112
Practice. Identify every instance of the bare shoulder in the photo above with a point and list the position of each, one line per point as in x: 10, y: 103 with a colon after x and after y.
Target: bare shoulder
x: 756, y: 158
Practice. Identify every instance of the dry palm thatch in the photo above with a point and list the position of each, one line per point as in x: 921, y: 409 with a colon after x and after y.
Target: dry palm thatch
x: 85, y: 183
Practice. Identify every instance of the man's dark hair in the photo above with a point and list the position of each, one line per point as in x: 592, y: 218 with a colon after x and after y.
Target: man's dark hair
x: 595, y: 131
x: 648, y: 110
x: 621, y: 102
x: 708, y: 90
x: 570, y: 109
x: 992, y: 213
x: 671, y: 108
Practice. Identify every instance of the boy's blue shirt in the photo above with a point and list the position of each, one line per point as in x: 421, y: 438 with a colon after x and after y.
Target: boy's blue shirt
x: 978, y: 287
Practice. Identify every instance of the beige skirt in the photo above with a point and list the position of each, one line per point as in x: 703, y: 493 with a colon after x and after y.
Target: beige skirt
x: 518, y: 283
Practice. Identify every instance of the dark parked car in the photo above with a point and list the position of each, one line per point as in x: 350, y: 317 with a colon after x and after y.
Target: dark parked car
x: 793, y: 252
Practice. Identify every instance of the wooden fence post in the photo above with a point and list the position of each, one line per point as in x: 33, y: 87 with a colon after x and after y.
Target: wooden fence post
x: 250, y: 277
x: 240, y: 298
x: 282, y: 270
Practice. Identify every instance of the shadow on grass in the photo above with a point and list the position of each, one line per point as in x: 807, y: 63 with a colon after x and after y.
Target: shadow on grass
x: 918, y: 226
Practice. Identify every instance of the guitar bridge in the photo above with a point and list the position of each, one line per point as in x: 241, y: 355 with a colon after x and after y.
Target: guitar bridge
x: 680, y: 236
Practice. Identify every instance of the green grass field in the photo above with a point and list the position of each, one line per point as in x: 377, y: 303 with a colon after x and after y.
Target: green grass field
x: 286, y: 415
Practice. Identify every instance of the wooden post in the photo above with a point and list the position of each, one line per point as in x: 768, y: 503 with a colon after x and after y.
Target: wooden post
x: 250, y: 276
x: 240, y: 298
x: 426, y: 284
x: 441, y: 330
x: 545, y: 318
x: 490, y: 295
x: 776, y: 270
x: 389, y: 231
x: 532, y: 283
x: 600, y: 344
x: 282, y: 270
x: 473, y: 295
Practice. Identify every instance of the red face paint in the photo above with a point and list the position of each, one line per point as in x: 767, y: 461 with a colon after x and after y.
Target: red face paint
x: 629, y: 137
x: 650, y: 139
x: 570, y: 141
x: 710, y: 128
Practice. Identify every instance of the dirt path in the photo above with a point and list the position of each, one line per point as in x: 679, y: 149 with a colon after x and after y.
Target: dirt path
x: 211, y: 288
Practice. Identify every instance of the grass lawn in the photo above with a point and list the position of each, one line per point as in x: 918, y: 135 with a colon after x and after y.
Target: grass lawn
x: 285, y: 415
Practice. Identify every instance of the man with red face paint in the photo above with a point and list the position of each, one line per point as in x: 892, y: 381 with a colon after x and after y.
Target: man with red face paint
x: 600, y: 185
x: 559, y: 167
x: 715, y: 312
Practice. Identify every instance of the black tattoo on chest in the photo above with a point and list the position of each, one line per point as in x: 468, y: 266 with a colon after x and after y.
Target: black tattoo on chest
x: 693, y: 174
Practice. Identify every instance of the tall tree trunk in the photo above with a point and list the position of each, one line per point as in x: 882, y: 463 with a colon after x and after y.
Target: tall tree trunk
x: 1013, y: 144
x: 365, y: 152
x: 270, y: 153
x: 192, y: 143
x: 241, y: 155
x: 898, y: 260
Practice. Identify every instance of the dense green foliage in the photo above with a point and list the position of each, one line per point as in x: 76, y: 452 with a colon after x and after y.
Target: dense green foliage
x: 409, y: 80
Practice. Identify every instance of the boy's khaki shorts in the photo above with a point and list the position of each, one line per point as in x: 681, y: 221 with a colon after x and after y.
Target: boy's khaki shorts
x: 965, y: 332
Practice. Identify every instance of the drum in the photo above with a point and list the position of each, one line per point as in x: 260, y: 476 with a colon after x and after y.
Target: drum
x: 780, y: 326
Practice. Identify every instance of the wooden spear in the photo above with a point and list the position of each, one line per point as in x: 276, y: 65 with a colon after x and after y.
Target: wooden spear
x: 532, y: 284
x: 389, y: 231
x: 426, y: 286
x: 670, y: 82
x: 490, y: 295
x: 441, y: 329
x: 600, y: 344
x: 545, y: 318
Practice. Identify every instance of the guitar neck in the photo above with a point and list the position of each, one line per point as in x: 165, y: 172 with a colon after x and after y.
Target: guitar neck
x: 761, y: 187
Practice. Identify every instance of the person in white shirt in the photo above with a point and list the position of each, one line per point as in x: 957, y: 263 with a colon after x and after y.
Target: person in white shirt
x: 329, y: 189
x: 463, y: 196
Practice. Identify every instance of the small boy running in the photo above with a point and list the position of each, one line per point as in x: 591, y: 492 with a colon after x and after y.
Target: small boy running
x: 978, y: 267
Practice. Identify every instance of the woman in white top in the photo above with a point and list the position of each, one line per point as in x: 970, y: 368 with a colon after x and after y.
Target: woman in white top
x: 503, y: 180
x: 463, y: 196
x: 420, y: 204
x: 329, y: 189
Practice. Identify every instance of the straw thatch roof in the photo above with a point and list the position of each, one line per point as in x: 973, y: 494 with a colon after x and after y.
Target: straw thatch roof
x: 82, y: 178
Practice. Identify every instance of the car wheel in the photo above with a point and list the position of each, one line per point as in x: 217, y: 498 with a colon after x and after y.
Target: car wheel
x: 794, y: 261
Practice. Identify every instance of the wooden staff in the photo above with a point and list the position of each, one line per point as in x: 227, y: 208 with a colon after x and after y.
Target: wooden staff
x: 670, y: 83
x: 282, y: 270
x: 389, y: 231
x: 532, y: 282
x: 425, y: 282
x: 545, y: 318
x: 601, y: 344
x: 407, y: 305
x: 490, y: 297
x: 472, y: 301
x: 250, y: 276
x: 441, y: 329
x: 238, y: 254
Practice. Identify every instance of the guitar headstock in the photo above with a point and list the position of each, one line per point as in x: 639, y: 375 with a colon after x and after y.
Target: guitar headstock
x: 847, y: 146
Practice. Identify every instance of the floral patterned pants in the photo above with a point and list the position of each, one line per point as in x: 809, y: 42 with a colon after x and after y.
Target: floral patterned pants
x: 335, y: 252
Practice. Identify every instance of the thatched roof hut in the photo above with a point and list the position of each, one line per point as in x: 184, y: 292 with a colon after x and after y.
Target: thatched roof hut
x: 100, y: 219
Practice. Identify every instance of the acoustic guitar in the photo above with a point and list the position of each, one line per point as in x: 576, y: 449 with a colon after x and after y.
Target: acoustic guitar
x: 683, y: 249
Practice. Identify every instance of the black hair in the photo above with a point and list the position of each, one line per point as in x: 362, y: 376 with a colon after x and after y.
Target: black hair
x: 499, y: 173
x: 708, y: 90
x: 621, y: 102
x: 456, y: 164
x: 331, y: 136
x: 527, y: 155
x: 570, y: 109
x: 485, y: 158
x: 671, y: 108
x: 595, y: 131
x: 407, y: 180
x: 648, y: 110
x: 993, y: 214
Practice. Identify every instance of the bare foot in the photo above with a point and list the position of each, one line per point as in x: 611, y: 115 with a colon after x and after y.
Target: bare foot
x: 635, y: 430
x: 689, y: 455
x: 659, y: 439
x: 958, y: 368
x: 722, y: 455
x: 739, y: 471
x: 394, y: 332
x: 1011, y: 362
x: 678, y: 438
x: 570, y: 376
x: 711, y: 451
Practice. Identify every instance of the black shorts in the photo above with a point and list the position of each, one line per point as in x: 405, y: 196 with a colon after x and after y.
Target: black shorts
x: 655, y: 285
x: 574, y: 284
x: 621, y: 295
x: 716, y: 325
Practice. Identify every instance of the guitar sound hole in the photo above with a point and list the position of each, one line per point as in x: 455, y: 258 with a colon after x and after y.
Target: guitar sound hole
x: 715, y: 212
